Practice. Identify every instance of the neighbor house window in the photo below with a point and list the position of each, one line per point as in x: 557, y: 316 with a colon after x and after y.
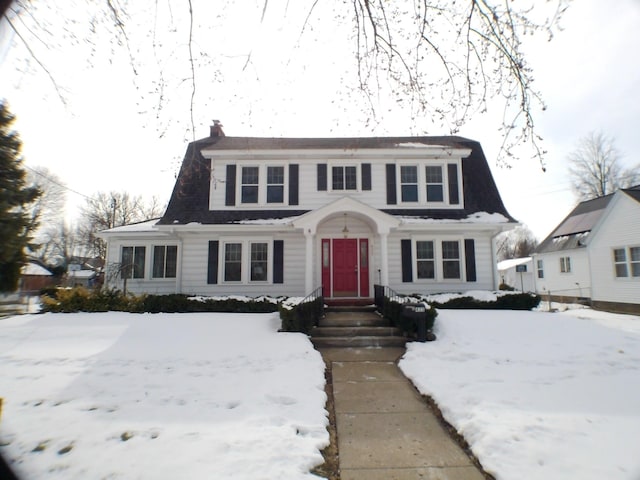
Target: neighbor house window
x: 275, y: 184
x: 344, y: 178
x: 450, y: 259
x: 627, y: 260
x: 635, y: 261
x: 425, y: 256
x: 565, y: 264
x: 249, y: 189
x: 233, y: 262
x: 259, y: 257
x: 540, y: 269
x: 132, y: 264
x: 620, y: 262
x: 409, y: 183
x: 435, y: 183
x: 165, y: 261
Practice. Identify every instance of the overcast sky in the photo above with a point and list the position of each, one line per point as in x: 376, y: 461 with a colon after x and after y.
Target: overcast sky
x: 115, y: 132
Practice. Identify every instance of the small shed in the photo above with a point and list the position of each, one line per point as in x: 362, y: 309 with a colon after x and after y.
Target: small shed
x: 517, y: 273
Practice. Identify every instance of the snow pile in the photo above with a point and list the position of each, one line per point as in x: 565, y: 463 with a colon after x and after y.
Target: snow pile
x: 477, y: 217
x: 164, y: 396
x: 537, y: 395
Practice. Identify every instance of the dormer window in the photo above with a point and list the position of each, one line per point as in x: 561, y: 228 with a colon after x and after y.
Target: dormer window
x: 344, y: 178
x: 250, y: 176
x: 275, y: 184
x: 409, y: 183
x: 435, y: 184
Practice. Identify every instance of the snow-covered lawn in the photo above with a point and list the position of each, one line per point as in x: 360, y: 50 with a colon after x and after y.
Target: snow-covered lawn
x: 538, y: 396
x: 164, y: 396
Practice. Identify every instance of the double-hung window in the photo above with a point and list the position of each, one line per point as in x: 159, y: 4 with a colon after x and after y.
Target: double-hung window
x: 565, y: 264
x: 450, y: 259
x: 540, y: 265
x: 435, y: 183
x: 132, y: 264
x: 250, y: 267
x: 165, y: 261
x: 425, y: 257
x: 275, y: 184
x: 344, y: 178
x: 409, y: 183
x: 250, y: 184
x: 233, y: 262
x: 627, y: 260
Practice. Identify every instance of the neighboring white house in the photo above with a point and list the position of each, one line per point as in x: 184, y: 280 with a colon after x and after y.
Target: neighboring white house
x: 594, y: 254
x: 284, y: 216
x: 517, y: 273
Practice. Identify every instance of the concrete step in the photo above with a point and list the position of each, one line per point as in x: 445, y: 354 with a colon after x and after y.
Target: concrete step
x: 350, y: 331
x: 355, y: 319
x: 351, y: 308
x: 366, y: 341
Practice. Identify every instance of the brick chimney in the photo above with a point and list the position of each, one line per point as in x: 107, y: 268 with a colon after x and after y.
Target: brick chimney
x: 216, y: 129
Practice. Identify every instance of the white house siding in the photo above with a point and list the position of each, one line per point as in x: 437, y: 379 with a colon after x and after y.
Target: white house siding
x: 159, y: 286
x: 195, y: 266
x: 309, y: 196
x: 483, y: 257
x: 620, y: 228
x: 523, y: 281
x: 572, y: 284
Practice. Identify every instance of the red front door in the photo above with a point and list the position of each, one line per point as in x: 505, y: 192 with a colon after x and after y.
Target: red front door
x: 345, y: 267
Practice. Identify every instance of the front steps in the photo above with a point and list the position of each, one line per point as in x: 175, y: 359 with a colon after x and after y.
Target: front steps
x: 355, y: 326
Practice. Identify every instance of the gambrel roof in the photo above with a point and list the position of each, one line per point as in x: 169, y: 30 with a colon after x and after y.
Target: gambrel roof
x: 189, y: 201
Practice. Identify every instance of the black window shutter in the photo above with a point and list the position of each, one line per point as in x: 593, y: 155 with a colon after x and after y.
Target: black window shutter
x: 278, y: 261
x: 454, y: 195
x: 407, y: 270
x: 470, y: 259
x: 391, y: 184
x: 366, y: 176
x: 322, y: 177
x: 212, y: 264
x: 293, y: 184
x: 230, y: 197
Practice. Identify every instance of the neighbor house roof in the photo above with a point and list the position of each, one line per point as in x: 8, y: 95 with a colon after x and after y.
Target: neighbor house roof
x: 189, y: 201
x: 573, y: 230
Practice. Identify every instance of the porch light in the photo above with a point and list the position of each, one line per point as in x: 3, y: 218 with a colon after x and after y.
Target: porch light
x: 345, y: 230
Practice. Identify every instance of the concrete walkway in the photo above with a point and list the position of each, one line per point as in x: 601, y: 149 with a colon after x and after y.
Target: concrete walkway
x: 385, y: 429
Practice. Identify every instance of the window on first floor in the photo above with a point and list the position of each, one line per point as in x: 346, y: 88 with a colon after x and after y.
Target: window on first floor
x: 259, y: 262
x: 565, y: 264
x: 233, y: 262
x: 426, y: 260
x: 451, y: 259
x: 132, y: 262
x: 627, y: 262
x: 165, y: 261
x: 540, y: 266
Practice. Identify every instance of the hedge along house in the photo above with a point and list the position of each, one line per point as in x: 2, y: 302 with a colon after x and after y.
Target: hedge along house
x: 284, y: 216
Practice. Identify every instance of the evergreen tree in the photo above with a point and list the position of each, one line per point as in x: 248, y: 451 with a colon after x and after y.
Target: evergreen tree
x: 15, y: 195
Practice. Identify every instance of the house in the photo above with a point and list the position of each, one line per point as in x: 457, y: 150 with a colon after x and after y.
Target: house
x: 594, y: 254
x: 34, y: 278
x: 284, y: 216
x: 517, y: 273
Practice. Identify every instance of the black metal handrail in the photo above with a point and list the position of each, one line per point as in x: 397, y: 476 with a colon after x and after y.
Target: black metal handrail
x: 383, y: 291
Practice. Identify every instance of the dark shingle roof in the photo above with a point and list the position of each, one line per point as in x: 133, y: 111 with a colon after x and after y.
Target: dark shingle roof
x: 572, y: 231
x: 633, y: 192
x: 190, y: 198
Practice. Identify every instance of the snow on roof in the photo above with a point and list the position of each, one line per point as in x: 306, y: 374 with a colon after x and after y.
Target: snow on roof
x: 35, y: 269
x: 268, y: 221
x: 419, y: 145
x: 81, y: 274
x: 512, y: 262
x: 477, y: 217
x: 146, y: 226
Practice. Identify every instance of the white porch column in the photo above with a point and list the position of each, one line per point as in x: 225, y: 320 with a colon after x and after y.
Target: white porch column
x: 309, y: 266
x: 384, y: 259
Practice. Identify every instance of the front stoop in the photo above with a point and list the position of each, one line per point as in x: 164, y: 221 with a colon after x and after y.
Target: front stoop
x: 355, y: 326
